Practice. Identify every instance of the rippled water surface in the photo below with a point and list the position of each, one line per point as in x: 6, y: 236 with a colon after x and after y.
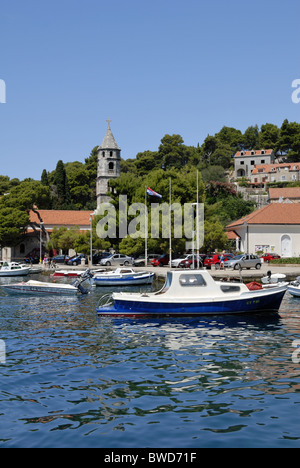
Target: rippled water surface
x: 72, y: 379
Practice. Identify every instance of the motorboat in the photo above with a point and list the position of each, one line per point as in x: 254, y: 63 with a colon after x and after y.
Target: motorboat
x: 192, y: 294
x: 73, y: 273
x: 56, y: 289
x: 13, y: 269
x: 271, y: 280
x: 294, y: 287
x: 123, y: 277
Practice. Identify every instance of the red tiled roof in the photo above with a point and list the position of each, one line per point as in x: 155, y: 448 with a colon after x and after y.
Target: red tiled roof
x: 61, y: 217
x: 275, y: 213
x: 256, y: 153
x: 288, y: 192
x: 232, y: 235
x: 267, y: 168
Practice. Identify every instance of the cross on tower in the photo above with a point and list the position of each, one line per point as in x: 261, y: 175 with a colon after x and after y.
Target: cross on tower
x: 108, y: 121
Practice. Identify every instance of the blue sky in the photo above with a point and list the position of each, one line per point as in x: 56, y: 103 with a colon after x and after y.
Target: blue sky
x: 168, y: 66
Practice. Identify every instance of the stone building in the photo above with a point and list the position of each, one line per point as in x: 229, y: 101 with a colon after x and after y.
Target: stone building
x: 244, y: 161
x: 109, y: 160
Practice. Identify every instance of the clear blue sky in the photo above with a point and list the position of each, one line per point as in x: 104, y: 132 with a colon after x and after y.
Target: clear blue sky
x: 153, y: 67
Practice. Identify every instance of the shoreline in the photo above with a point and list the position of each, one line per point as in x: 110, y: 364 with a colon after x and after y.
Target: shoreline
x: 291, y: 271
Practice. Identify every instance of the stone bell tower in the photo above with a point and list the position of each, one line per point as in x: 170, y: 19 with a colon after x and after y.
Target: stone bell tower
x: 109, y: 159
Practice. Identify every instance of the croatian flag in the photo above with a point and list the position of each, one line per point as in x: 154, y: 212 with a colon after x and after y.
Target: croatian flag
x: 152, y: 193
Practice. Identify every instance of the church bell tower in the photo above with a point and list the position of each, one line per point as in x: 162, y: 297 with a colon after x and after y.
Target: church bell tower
x: 109, y: 159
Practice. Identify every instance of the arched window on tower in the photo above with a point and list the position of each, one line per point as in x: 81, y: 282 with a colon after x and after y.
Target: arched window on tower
x: 110, y: 153
x: 111, y: 167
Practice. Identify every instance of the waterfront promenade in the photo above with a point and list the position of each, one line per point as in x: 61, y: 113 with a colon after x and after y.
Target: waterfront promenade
x: 291, y: 271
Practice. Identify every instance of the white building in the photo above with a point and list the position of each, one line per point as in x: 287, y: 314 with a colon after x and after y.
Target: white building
x: 273, y: 228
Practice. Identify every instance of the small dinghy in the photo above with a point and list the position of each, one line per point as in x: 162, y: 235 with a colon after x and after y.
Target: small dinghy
x: 192, y: 294
x: 271, y: 280
x: 56, y: 289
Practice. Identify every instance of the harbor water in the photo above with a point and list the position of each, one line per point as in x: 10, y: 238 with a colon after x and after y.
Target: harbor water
x: 72, y: 379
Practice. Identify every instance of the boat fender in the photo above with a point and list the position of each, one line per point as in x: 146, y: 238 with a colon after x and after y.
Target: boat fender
x: 253, y: 286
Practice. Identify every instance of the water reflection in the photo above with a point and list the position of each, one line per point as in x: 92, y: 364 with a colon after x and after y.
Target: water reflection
x: 73, y: 379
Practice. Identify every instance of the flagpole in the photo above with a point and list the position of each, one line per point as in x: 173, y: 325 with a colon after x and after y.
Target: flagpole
x: 146, y: 229
x: 170, y: 225
x: 197, y: 216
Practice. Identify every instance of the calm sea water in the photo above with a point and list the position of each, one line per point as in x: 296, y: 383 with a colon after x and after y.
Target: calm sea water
x: 72, y: 379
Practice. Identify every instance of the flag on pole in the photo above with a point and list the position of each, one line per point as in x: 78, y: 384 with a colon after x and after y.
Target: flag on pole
x: 152, y: 193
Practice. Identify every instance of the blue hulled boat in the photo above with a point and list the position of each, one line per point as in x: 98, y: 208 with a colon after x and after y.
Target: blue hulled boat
x: 123, y: 277
x: 193, y: 294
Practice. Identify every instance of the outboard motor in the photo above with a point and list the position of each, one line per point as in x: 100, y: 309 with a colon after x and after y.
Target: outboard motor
x: 87, y: 275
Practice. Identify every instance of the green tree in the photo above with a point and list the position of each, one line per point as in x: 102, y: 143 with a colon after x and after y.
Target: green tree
x: 61, y: 199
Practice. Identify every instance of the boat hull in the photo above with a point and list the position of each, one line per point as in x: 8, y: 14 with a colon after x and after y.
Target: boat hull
x: 9, y: 273
x: 39, y: 290
x: 294, y: 290
x: 123, y: 281
x: 267, y: 302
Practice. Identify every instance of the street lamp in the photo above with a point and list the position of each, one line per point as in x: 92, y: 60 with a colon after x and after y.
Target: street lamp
x: 41, y: 224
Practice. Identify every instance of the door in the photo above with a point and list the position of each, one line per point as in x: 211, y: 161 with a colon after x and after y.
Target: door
x: 286, y: 246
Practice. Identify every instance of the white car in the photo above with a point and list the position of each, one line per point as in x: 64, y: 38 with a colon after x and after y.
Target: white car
x: 175, y: 263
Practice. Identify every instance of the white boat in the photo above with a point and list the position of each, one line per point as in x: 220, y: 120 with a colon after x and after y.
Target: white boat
x: 40, y: 287
x: 73, y: 273
x: 13, y: 269
x: 192, y: 294
x: 271, y: 280
x: 123, y: 277
x: 294, y: 287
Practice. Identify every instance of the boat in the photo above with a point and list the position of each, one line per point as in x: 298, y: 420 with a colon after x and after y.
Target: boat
x: 272, y: 279
x: 294, y: 287
x: 13, y: 269
x: 192, y: 294
x: 56, y: 289
x: 123, y: 277
x: 73, y: 273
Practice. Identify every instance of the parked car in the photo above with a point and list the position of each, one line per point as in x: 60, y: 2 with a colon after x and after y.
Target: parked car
x: 140, y: 261
x: 188, y: 263
x: 160, y: 261
x: 176, y: 261
x: 99, y: 256
x: 244, y: 261
x: 268, y: 257
x: 216, y: 260
x: 76, y: 260
x: 116, y: 259
x: 61, y: 259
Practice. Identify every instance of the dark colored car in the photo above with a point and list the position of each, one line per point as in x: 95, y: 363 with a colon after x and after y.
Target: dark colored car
x: 77, y: 260
x: 161, y: 261
x: 99, y: 256
x: 268, y: 257
x: 61, y: 259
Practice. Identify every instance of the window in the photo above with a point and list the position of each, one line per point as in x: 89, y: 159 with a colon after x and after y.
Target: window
x: 111, y: 166
x: 262, y: 161
x: 192, y: 280
x: 22, y: 248
x: 103, y: 154
x: 252, y: 162
x: 242, y: 163
x: 230, y: 289
x: 110, y: 153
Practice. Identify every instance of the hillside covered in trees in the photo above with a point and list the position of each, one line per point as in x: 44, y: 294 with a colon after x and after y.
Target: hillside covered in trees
x: 73, y: 185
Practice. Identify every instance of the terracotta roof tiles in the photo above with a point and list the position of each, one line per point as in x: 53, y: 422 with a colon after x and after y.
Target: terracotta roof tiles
x: 275, y: 213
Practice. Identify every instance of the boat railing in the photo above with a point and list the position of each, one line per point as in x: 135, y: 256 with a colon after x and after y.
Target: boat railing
x: 106, y: 301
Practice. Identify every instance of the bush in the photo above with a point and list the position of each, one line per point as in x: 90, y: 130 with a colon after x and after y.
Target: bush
x: 291, y: 260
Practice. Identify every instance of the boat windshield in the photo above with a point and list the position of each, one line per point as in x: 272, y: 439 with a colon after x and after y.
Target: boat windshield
x: 167, y: 284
